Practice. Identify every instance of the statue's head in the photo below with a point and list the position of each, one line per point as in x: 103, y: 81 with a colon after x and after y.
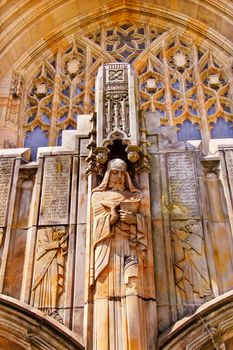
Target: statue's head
x: 117, y: 174
x: 193, y: 226
x: 116, y: 177
x: 117, y: 164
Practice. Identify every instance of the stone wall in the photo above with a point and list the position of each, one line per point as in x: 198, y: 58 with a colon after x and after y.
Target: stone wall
x: 191, y: 201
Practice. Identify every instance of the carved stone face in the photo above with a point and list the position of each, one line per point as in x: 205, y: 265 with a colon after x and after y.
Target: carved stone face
x: 192, y: 227
x: 117, y: 180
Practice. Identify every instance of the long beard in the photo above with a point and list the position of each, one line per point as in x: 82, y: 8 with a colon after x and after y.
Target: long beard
x: 117, y: 186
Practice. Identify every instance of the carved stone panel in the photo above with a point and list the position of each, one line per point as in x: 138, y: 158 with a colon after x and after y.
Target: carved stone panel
x: 190, y: 265
x: 6, y: 168
x: 229, y: 162
x: 116, y: 108
x: 182, y: 186
x: 48, y: 284
x: 55, y: 191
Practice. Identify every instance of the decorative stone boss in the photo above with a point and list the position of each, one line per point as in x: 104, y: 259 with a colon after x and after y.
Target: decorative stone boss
x: 119, y: 246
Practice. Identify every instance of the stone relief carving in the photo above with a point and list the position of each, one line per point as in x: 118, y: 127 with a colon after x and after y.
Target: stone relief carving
x: 49, y: 269
x: 116, y: 104
x: 119, y: 247
x: 16, y: 84
x: 191, y: 271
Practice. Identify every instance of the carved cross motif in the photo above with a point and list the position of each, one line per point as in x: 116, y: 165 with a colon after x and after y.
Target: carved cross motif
x: 115, y: 75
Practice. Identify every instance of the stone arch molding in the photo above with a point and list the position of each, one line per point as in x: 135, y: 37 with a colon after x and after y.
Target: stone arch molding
x: 211, y: 328
x: 23, y: 327
x: 31, y: 32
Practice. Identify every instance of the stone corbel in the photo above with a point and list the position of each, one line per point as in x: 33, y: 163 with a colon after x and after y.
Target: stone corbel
x: 133, y: 153
x: 211, y: 165
x: 102, y: 155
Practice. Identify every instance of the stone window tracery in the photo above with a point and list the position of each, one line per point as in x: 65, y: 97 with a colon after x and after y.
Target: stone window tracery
x: 186, y: 87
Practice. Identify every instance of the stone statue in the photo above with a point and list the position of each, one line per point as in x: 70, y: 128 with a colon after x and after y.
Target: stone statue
x: 191, y: 269
x: 49, y: 269
x: 118, y: 248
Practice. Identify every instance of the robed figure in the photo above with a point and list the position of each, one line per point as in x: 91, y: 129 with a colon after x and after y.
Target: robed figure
x: 49, y: 269
x: 191, y: 269
x: 118, y: 250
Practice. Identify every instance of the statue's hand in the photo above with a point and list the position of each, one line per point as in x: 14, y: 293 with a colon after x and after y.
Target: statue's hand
x: 64, y: 238
x: 186, y: 245
x: 64, y: 245
x: 114, y: 216
x: 128, y: 217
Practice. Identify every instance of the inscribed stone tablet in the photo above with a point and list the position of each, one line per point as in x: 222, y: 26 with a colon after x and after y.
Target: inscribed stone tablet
x: 55, y: 191
x: 229, y: 161
x: 6, y: 168
x: 182, y: 186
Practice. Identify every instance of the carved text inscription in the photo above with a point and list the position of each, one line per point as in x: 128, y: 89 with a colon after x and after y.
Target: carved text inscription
x: 182, y: 186
x: 55, y: 191
x: 6, y: 168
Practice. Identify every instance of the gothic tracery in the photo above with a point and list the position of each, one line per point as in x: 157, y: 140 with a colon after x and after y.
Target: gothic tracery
x: 186, y: 86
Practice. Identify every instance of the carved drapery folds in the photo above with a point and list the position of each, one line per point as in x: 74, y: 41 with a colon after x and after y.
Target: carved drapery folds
x: 49, y: 269
x: 119, y: 247
x: 191, y: 271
